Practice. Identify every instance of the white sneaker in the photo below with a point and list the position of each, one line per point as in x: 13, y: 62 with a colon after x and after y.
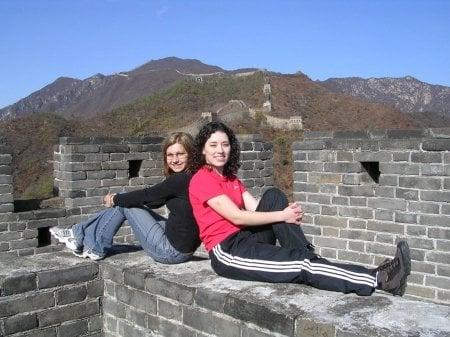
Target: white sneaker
x: 65, y: 235
x: 89, y: 254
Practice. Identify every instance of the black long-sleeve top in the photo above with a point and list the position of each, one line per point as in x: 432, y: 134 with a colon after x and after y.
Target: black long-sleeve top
x: 181, y: 228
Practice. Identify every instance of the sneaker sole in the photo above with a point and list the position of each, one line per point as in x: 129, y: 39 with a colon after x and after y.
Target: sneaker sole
x: 85, y: 255
x: 406, y: 260
x: 65, y: 241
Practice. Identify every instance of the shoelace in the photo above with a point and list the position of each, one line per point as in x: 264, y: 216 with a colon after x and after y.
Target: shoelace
x: 66, y: 233
x: 388, y: 266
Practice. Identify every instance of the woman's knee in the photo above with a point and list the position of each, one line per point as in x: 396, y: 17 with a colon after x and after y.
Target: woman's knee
x: 274, y: 198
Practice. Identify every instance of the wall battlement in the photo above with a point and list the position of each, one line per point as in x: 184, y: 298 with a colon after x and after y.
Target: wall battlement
x: 363, y: 191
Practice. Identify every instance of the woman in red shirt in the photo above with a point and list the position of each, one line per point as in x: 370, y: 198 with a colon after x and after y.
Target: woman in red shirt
x: 240, y: 233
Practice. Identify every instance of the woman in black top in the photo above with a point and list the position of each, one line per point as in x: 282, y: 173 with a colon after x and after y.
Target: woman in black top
x: 171, y: 240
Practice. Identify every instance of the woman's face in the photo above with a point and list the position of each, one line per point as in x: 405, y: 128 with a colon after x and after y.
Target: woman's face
x: 217, y: 150
x: 176, y: 157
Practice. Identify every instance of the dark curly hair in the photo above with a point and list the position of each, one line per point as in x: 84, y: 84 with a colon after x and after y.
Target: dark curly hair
x: 233, y: 163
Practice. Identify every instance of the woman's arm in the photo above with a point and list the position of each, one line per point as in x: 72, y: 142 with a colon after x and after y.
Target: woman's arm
x: 250, y: 202
x: 223, y: 205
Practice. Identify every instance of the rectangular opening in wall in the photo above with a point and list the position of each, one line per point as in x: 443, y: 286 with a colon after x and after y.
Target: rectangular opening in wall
x: 373, y: 170
x: 44, y: 237
x: 133, y: 168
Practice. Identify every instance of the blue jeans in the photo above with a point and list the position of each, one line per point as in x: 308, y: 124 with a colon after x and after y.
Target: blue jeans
x: 97, y: 233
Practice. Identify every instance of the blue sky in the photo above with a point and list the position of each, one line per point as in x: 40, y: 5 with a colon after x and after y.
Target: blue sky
x: 41, y: 40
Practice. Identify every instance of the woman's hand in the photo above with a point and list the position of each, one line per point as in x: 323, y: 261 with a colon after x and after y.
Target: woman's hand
x: 108, y: 200
x: 293, y: 213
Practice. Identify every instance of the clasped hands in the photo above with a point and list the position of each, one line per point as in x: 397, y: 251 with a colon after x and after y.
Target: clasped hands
x: 294, y: 213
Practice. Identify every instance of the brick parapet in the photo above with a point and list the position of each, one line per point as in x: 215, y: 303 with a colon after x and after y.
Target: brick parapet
x: 353, y: 214
x: 6, y: 183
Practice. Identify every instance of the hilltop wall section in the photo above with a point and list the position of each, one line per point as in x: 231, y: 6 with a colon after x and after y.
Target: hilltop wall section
x: 364, y: 191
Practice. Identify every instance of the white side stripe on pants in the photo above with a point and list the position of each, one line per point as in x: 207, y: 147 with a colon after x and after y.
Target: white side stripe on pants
x: 292, y: 266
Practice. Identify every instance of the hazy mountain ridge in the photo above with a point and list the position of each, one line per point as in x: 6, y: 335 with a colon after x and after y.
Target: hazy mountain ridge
x: 408, y: 94
x: 101, y: 93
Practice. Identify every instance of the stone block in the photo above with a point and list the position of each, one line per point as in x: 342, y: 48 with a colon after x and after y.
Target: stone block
x: 416, y: 230
x: 421, y: 243
x: 308, y: 167
x: 30, y: 302
x: 17, y: 284
x: 396, y: 144
x: 95, y: 288
x: 330, y: 242
x: 345, y: 255
x: 378, y: 248
x: 170, y: 310
x: 213, y: 324
x: 438, y: 257
x: 436, y: 145
x: 400, y: 168
x: 137, y: 299
x: 19, y: 323
x: 423, y: 207
x: 75, y: 274
x: 303, y: 187
x: 420, y: 183
x: 439, y: 233
x: 68, y: 313
x: 312, y: 328
x: 319, y: 199
x: 114, y: 148
x: 114, y: 308
x: 169, y: 289
x: 344, y: 201
x: 443, y: 270
x: 435, y: 170
x: 435, y: 220
x: 426, y: 157
x: 167, y: 328
x: 357, y: 224
x: 367, y: 191
x: 439, y: 196
x: 366, y: 156
x: 5, y: 179
x: 325, y: 178
x: 355, y: 212
x: 358, y: 201
x: 388, y: 180
x: 388, y: 227
x: 354, y: 234
x: 401, y: 156
x: 309, y: 145
x: 343, y: 167
x: 329, y: 221
x: 404, y: 217
x: 73, y: 329
x: 328, y: 210
x: 71, y: 295
x: 385, y: 191
x: 385, y: 238
x: 406, y: 193
x: 387, y: 203
x: 437, y: 281
x: 210, y: 299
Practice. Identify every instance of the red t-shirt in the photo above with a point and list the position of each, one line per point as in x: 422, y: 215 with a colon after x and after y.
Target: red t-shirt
x: 207, y: 184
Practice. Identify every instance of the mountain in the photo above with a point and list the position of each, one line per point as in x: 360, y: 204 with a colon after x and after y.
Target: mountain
x: 322, y: 109
x: 97, y: 94
x: 408, y: 94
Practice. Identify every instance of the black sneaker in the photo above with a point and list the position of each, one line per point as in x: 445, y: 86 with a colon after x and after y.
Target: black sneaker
x: 392, y: 274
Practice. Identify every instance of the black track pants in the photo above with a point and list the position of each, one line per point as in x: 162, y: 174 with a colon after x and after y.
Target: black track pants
x: 251, y: 254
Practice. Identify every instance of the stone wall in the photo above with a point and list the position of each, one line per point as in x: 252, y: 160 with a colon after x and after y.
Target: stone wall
x: 57, y: 298
x: 86, y: 169
x: 364, y: 191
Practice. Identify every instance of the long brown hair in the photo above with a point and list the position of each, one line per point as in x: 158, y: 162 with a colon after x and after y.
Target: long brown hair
x: 186, y: 140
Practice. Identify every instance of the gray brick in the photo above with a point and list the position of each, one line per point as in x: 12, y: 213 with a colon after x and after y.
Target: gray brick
x: 421, y: 243
x: 426, y: 157
x: 357, y: 234
x: 169, y: 289
x: 385, y: 238
x: 329, y: 221
x: 384, y: 214
x: 416, y: 230
x: 436, y: 145
x: 310, y: 328
x: 169, y: 310
x: 128, y: 330
x: 399, y: 168
x: 95, y: 323
x: 439, y: 233
x: 29, y: 302
x: 357, y: 224
x: 71, y: 295
x: 401, y: 156
x: 303, y: 177
x: 385, y: 191
x: 114, y: 308
x: 440, y: 282
x: 330, y: 242
x: 405, y: 217
x: 319, y: 198
x: 443, y: 270
x: 367, y: 191
x: 378, y: 248
x: 73, y: 329
x: 423, y: 207
x: 435, y: 196
x: 302, y: 187
x: 17, y: 284
x: 137, y: 317
x: 438, y: 257
x: 408, y: 194
x: 435, y: 220
x: 95, y: 288
x: 308, y: 167
x: 210, y: 299
x: 387, y: 203
x: 328, y: 210
x: 388, y: 180
x: 5, y: 179
x: 81, y: 273
x: 309, y: 145
x: 356, y: 246
x: 354, y: 257
x: 137, y: 299
x: 340, y: 201
x: 387, y: 227
x: 20, y: 323
x: 355, y: 212
x: 212, y: 324
x: 325, y: 178
x: 169, y: 329
x: 68, y: 312
x: 443, y: 245
x: 434, y: 170
x: 343, y: 167
x: 420, y: 183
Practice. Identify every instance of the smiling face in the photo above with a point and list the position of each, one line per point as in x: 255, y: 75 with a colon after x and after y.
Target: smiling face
x: 176, y: 157
x: 217, y: 150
